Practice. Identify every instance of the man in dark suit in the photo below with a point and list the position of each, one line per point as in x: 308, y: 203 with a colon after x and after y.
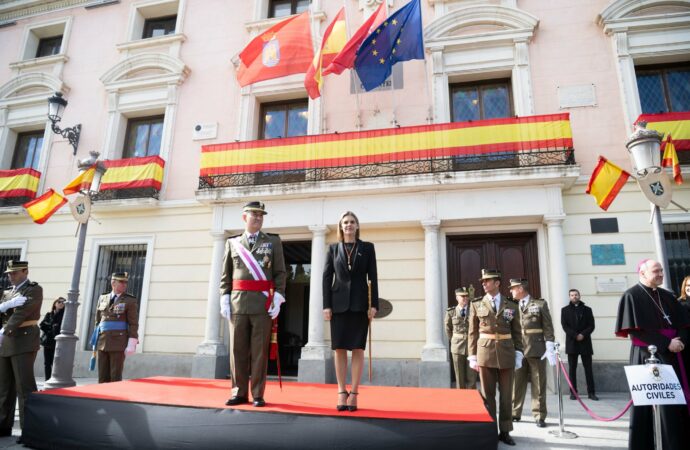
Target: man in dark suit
x: 577, y: 321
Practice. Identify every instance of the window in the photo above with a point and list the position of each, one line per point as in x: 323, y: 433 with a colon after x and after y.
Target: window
x: 664, y: 88
x: 159, y: 26
x: 7, y: 254
x: 143, y: 137
x: 282, y: 8
x: 27, y: 151
x: 49, y: 46
x: 677, y: 237
x: 477, y: 101
x: 118, y: 258
x: 284, y: 119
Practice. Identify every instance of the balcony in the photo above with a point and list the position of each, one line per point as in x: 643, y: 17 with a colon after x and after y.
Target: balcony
x: 131, y: 178
x: 677, y: 124
x: 18, y: 186
x: 426, y: 149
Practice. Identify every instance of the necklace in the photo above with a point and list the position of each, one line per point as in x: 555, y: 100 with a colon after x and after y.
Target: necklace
x: 349, y: 254
x: 666, y: 317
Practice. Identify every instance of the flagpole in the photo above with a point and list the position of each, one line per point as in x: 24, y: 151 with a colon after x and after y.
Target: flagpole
x: 358, y: 121
x: 395, y: 102
x: 430, y: 111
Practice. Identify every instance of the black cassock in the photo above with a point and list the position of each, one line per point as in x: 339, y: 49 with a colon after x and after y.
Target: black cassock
x: 640, y: 316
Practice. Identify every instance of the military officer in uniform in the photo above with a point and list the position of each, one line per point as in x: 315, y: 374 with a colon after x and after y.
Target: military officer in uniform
x: 495, y: 349
x: 252, y: 288
x: 20, y: 309
x: 116, y: 332
x: 537, y: 340
x: 457, y: 322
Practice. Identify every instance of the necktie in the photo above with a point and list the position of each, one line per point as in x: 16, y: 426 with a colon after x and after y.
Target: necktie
x: 494, y: 302
x: 112, y: 299
x: 523, y: 304
x: 252, y: 240
x: 463, y: 312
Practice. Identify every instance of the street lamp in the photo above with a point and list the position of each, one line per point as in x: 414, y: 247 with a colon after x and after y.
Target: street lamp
x: 56, y: 106
x: 644, y: 146
x: 66, y: 341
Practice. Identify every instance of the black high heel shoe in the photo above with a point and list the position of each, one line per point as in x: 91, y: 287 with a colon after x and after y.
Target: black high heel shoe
x: 352, y: 408
x: 342, y: 407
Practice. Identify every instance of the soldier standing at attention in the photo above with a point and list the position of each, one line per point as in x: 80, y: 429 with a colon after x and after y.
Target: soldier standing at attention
x: 537, y: 339
x: 20, y: 309
x: 495, y: 349
x: 457, y: 322
x: 116, y: 331
x: 252, y: 288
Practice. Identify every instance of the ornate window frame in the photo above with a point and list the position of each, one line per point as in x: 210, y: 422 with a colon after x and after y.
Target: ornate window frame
x: 147, y: 9
x: 26, y: 57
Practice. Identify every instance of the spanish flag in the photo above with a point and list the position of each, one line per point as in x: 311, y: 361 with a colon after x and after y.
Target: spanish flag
x: 333, y: 42
x: 670, y: 159
x: 81, y: 183
x: 41, y: 208
x: 606, y: 182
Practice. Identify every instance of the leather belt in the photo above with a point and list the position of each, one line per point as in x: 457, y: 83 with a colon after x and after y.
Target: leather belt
x: 496, y: 337
x: 28, y: 323
x: 533, y: 331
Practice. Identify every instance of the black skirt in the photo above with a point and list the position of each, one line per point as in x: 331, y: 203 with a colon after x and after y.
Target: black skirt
x: 349, y: 330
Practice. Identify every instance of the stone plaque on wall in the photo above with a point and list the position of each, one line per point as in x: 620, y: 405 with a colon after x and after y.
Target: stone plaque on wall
x: 576, y: 96
x: 611, y: 284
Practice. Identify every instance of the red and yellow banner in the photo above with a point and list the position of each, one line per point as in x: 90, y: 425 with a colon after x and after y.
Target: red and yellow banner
x: 133, y: 173
x: 670, y: 159
x: 81, y: 183
x: 606, y: 182
x: 19, y: 183
x: 522, y: 134
x: 334, y: 40
x: 44, y: 206
x: 676, y: 124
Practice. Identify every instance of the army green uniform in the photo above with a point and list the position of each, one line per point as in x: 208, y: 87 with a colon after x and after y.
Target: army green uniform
x: 250, y: 324
x: 494, y: 336
x: 457, y: 326
x: 18, y: 352
x: 111, y: 344
x: 537, y: 328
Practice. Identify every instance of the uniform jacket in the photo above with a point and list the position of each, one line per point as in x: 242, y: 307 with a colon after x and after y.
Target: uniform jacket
x: 494, y: 353
x: 20, y: 339
x: 345, y: 290
x: 123, y: 309
x: 457, y: 328
x: 535, y: 316
x: 268, y: 252
x: 578, y: 320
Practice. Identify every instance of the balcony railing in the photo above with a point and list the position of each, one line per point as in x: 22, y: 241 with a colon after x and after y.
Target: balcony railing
x: 461, y: 146
x: 18, y: 186
x: 132, y: 178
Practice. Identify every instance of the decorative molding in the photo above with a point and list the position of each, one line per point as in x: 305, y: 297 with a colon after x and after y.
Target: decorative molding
x: 22, y: 9
x: 39, y: 62
x: 116, y: 78
x: 257, y: 26
x: 151, y: 42
x: 31, y: 80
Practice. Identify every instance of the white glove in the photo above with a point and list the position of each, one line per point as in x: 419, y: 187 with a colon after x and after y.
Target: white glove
x: 274, y: 309
x: 9, y: 304
x: 550, y: 353
x: 131, y: 346
x: 473, y: 362
x: 225, y: 306
x: 518, y: 359
x: 2, y: 335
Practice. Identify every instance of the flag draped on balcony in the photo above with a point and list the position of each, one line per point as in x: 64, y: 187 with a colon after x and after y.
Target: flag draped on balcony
x: 397, y: 39
x: 284, y: 49
x: 43, y: 207
x: 333, y: 41
x: 81, y: 183
x: 670, y: 159
x: 19, y: 183
x: 346, y: 58
x: 133, y: 173
x: 606, y: 182
x: 676, y: 124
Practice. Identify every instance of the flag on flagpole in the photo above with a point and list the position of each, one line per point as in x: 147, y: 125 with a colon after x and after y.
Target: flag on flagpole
x: 606, y: 182
x: 333, y: 41
x: 40, y: 209
x: 284, y: 49
x: 346, y: 58
x: 670, y: 159
x: 399, y: 38
x: 81, y: 183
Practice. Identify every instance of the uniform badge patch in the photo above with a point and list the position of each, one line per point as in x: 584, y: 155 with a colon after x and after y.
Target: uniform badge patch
x: 119, y: 308
x: 508, y: 314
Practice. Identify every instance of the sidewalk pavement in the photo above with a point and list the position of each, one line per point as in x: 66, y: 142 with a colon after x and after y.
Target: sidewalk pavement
x: 591, y: 434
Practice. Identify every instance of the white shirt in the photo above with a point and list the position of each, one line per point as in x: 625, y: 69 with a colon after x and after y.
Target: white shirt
x: 524, y: 302
x: 497, y: 301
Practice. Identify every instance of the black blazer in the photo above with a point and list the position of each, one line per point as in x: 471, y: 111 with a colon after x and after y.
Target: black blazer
x: 345, y: 290
x: 578, y: 320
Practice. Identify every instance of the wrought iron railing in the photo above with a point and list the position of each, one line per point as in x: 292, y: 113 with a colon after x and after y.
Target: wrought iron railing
x: 121, y: 194
x: 18, y: 186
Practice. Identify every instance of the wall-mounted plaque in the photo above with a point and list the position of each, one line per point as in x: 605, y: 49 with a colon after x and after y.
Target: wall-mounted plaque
x: 607, y: 254
x: 611, y: 284
x: 385, y: 308
x: 576, y: 96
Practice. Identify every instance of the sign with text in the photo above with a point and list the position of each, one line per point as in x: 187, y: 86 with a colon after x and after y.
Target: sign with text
x: 654, y: 384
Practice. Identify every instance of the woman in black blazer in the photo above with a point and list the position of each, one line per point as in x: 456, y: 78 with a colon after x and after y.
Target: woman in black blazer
x: 350, y: 263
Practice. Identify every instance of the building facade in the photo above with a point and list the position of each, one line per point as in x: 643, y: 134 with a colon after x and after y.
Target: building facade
x: 477, y: 157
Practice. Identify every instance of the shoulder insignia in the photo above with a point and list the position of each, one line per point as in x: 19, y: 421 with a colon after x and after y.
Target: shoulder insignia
x: 450, y: 308
x: 237, y: 235
x: 477, y: 299
x: 513, y: 300
x: 33, y: 283
x: 273, y: 234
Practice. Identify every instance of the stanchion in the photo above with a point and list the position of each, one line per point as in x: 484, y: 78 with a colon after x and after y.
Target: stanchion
x: 561, y: 433
x: 657, y: 413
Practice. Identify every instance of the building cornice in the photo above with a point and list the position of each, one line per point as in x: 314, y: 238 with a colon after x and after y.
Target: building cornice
x: 21, y: 9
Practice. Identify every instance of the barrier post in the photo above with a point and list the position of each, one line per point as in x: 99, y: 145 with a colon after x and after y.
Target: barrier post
x: 657, y: 413
x: 561, y: 433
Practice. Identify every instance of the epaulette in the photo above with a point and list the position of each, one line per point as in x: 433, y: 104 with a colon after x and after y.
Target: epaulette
x: 33, y: 283
x: 273, y: 234
x: 476, y: 299
x: 127, y: 294
x: 450, y: 308
x: 237, y: 235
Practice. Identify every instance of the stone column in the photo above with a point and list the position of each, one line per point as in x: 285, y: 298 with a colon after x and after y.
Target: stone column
x: 315, y: 363
x: 558, y: 271
x: 434, y: 368
x: 211, y: 359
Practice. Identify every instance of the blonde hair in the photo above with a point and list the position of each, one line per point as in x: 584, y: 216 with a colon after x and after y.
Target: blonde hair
x: 682, y: 288
x: 340, y: 225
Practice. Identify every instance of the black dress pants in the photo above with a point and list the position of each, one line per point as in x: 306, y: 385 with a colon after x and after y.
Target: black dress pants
x: 572, y: 371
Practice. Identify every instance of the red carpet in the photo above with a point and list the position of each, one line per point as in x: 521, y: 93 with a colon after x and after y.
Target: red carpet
x: 383, y: 402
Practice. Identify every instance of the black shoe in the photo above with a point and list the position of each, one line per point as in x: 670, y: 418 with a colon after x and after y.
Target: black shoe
x: 353, y: 408
x: 593, y: 397
x: 259, y: 402
x: 505, y: 438
x: 19, y: 441
x: 572, y: 397
x: 339, y: 407
x: 516, y: 419
x: 541, y: 424
x: 237, y: 400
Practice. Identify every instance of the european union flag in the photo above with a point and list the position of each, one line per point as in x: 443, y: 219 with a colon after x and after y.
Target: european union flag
x: 397, y: 39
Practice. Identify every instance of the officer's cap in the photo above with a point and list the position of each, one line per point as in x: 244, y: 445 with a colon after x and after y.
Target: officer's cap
x: 515, y: 282
x: 255, y: 206
x: 15, y: 266
x: 488, y: 274
x: 461, y: 291
x: 120, y: 276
